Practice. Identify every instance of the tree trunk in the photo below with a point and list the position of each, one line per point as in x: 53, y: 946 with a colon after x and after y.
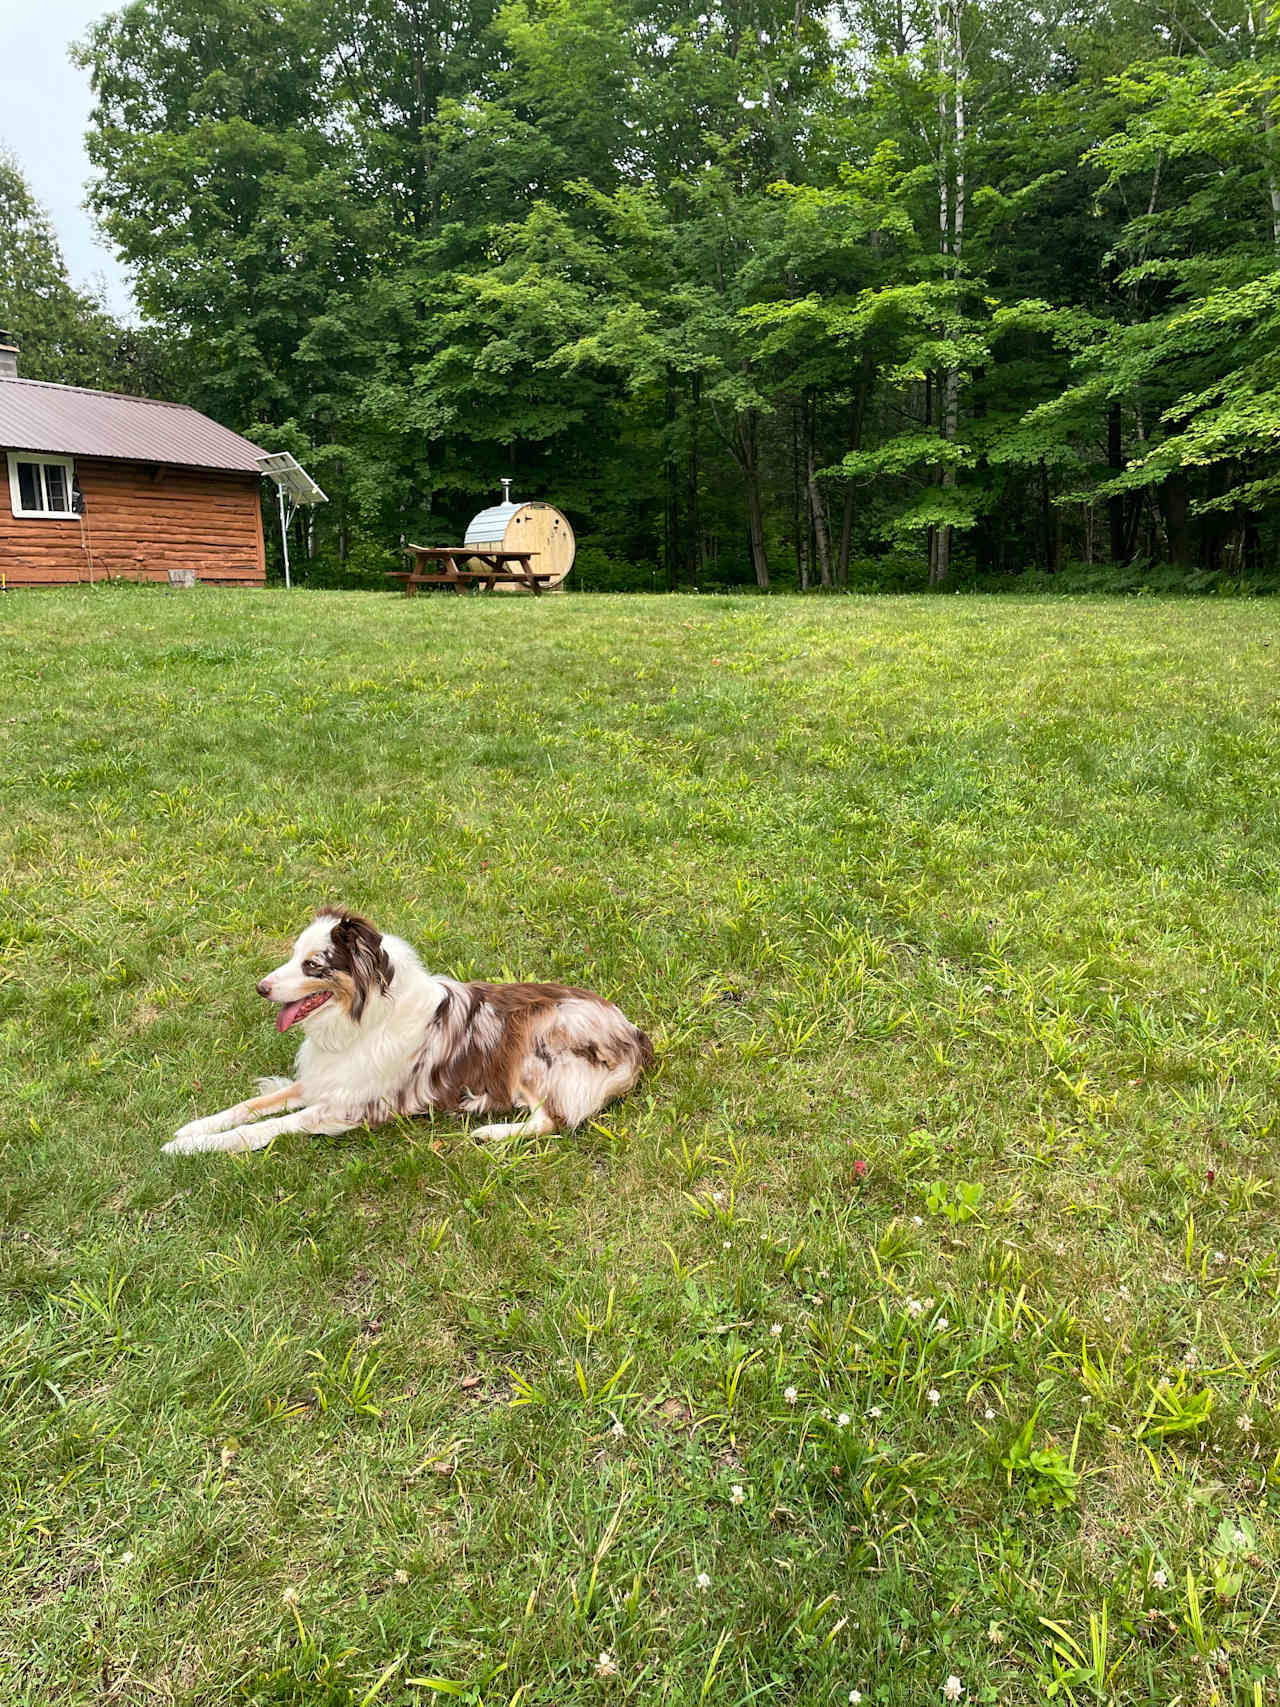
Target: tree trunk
x: 1115, y: 504
x: 1259, y: 20
x: 932, y: 475
x: 692, y: 524
x: 746, y: 455
x: 857, y: 415
x: 944, y: 212
x: 670, y: 508
x: 1048, y: 522
x: 755, y: 520
x: 941, y: 566
x: 950, y: 424
x: 1273, y: 183
x: 1173, y: 502
x: 846, y: 538
x: 817, y: 508
x: 951, y: 212
x: 799, y: 506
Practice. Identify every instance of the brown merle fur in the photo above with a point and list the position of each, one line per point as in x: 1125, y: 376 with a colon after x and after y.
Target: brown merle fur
x: 501, y: 1045
x: 358, y: 963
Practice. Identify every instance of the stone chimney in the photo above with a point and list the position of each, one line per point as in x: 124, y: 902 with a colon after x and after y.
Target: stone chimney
x: 8, y: 356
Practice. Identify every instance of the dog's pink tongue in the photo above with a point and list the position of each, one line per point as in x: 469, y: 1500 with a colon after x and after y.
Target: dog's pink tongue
x: 290, y: 1013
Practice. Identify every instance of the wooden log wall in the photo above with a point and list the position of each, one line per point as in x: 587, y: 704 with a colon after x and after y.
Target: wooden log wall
x: 139, y: 522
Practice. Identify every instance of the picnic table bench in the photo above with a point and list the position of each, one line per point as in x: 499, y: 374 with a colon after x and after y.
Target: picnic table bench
x: 450, y: 566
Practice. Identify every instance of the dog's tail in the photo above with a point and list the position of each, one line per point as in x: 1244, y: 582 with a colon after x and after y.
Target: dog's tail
x: 267, y: 1086
x: 644, y: 1048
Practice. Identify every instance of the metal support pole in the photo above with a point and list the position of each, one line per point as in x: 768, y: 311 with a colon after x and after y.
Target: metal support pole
x: 284, y: 537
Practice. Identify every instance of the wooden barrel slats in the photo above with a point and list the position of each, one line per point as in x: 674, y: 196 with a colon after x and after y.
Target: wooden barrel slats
x: 530, y: 526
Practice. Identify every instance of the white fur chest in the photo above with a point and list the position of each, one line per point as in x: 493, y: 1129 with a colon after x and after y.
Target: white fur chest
x: 368, y: 1062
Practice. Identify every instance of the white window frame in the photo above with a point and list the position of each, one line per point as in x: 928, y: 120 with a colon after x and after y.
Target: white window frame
x: 66, y: 463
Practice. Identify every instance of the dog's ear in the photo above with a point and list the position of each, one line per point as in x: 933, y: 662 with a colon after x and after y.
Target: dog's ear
x: 362, y: 956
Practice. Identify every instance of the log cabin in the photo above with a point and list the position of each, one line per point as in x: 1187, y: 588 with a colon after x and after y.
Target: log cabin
x: 101, y: 485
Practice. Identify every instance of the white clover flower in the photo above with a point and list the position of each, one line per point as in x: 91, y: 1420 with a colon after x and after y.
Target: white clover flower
x: 736, y: 1494
x: 1160, y: 1579
x: 843, y: 1420
x: 702, y: 1581
x: 855, y: 1695
x: 402, y: 1577
x: 126, y: 1558
x: 775, y: 1330
x: 934, y: 1396
x: 1219, y: 1257
x: 875, y: 1412
x: 1190, y: 1358
x: 290, y: 1596
x: 1240, y: 1539
x: 1244, y: 1424
x: 790, y: 1395
x: 952, y: 1689
x: 989, y: 1414
x: 618, y: 1430
x: 917, y: 1220
x: 914, y: 1309
x: 941, y: 1325
x: 728, y: 1244
x: 606, y: 1665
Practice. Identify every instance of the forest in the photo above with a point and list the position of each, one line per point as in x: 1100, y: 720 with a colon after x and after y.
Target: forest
x: 882, y: 295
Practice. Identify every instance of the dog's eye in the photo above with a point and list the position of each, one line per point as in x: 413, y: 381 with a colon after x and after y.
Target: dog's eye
x: 313, y: 968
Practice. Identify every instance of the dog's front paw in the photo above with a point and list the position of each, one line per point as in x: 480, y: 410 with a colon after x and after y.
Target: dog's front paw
x: 196, y: 1128
x: 187, y: 1142
x: 190, y: 1142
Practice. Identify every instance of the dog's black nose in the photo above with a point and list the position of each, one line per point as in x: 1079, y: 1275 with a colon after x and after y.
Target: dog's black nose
x: 264, y: 989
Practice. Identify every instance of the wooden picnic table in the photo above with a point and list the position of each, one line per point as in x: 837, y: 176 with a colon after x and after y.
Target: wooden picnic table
x: 450, y: 566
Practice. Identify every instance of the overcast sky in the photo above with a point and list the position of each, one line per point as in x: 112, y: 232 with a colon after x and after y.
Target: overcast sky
x: 44, y: 109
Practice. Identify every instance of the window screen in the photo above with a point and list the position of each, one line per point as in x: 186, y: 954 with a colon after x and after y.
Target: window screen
x: 55, y: 486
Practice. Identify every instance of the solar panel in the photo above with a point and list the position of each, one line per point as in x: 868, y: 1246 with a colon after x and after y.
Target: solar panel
x: 289, y: 474
x: 294, y: 486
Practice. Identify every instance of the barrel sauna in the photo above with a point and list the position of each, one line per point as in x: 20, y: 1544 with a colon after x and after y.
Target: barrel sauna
x: 511, y: 526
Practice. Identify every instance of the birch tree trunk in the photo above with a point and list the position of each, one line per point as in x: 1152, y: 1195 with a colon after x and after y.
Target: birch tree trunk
x: 951, y: 211
x: 1258, y: 24
x: 817, y: 508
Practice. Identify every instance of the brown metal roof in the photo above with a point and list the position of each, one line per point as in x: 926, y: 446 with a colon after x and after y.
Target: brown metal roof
x: 71, y: 421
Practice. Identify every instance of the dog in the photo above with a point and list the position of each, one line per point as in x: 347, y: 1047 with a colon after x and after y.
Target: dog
x: 382, y: 1037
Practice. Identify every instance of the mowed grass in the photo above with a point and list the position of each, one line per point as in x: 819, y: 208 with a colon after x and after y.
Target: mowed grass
x: 945, y: 1230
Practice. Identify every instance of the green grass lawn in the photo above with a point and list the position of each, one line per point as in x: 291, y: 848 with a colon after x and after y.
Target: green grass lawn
x: 945, y: 1229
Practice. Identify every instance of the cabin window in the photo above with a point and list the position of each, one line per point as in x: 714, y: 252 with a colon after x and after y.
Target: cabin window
x: 40, y: 485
